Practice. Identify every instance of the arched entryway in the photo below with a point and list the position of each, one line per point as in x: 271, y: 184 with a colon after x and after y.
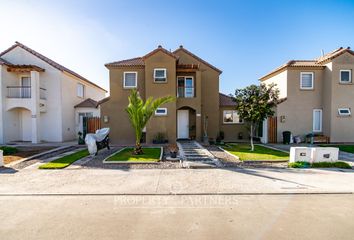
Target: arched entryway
x: 18, y: 125
x: 186, y: 123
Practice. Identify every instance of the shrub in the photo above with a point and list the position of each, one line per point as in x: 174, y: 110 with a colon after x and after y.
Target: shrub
x: 8, y: 150
x: 299, y: 165
x: 320, y: 165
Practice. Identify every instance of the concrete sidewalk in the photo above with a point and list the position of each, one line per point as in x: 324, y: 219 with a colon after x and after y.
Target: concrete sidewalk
x: 177, y: 181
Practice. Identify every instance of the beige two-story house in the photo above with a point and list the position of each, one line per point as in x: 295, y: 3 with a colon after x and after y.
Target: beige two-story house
x: 193, y: 81
x: 317, y: 96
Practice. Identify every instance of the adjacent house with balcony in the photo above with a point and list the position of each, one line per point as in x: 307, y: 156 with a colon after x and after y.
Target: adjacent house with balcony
x: 317, y: 97
x: 38, y: 96
x: 199, y: 107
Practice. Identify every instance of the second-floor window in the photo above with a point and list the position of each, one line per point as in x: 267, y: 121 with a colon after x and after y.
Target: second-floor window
x: 130, y: 79
x: 306, y: 80
x: 185, y: 87
x: 160, y: 75
x: 345, y: 76
x: 80, y: 90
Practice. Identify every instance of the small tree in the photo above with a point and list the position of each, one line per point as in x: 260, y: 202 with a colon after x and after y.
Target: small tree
x: 255, y: 103
x: 140, y: 112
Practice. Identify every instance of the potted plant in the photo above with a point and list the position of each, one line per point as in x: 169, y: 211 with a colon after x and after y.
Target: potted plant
x: 159, y: 139
x: 173, y: 148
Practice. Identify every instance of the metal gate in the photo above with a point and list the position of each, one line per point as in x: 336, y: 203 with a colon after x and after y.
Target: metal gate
x: 91, y: 124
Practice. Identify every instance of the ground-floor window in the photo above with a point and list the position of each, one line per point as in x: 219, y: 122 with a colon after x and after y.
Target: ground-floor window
x: 231, y: 116
x: 317, y: 120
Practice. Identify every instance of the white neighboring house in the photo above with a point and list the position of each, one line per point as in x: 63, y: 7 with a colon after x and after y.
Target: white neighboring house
x: 38, y: 96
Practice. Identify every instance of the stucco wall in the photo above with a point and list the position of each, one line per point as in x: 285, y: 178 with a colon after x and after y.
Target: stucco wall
x: 50, y: 121
x: 298, y: 108
x: 342, y: 128
x: 281, y: 83
x: 164, y: 124
x: 232, y: 131
x: 209, y: 93
x: 121, y: 131
x: 70, y: 99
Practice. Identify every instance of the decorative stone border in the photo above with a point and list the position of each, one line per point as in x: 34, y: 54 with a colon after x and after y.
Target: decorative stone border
x: 228, y: 153
x: 126, y: 162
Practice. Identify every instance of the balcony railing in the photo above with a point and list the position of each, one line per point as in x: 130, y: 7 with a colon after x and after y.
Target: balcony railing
x: 24, y: 92
x: 19, y: 92
x: 185, y: 92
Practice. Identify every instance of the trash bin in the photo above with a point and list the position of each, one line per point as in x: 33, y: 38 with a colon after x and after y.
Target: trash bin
x: 286, y: 137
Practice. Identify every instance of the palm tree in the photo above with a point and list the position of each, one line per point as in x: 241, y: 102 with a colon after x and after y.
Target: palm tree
x: 140, y: 112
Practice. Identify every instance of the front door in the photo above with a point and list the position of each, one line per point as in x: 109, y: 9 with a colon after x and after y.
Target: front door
x: 182, y: 124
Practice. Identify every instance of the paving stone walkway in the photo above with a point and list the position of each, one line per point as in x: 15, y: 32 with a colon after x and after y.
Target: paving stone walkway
x: 195, y: 155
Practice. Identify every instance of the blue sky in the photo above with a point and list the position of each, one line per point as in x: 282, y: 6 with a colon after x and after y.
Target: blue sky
x: 246, y: 39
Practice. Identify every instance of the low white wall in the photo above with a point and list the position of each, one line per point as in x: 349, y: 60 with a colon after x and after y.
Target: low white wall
x: 314, y: 154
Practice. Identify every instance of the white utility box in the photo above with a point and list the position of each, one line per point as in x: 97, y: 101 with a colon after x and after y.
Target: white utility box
x: 1, y: 159
x: 325, y: 154
x: 300, y: 154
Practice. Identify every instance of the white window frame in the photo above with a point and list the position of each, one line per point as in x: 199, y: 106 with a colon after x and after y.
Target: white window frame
x: 193, y: 86
x: 160, y: 69
x: 136, y: 80
x: 344, y: 114
x: 83, y: 90
x: 313, y: 120
x: 312, y: 82
x: 161, y: 114
x: 240, y: 121
x: 350, y: 76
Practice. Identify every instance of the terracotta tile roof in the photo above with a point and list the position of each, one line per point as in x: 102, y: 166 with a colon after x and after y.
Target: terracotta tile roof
x: 4, y: 62
x: 158, y: 49
x: 87, y: 103
x: 316, y: 63
x: 133, y: 62
x: 334, y: 54
x: 181, y: 48
x: 225, y: 100
x: 50, y: 62
x: 139, y: 61
x: 103, y: 100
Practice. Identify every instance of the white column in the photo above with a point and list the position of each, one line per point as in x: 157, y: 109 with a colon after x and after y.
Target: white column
x: 1, y: 106
x: 35, y: 106
x: 264, y: 138
x: 1, y: 159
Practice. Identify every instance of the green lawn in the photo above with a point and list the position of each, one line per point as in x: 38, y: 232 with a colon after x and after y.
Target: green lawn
x: 65, y: 161
x: 260, y: 153
x: 320, y: 165
x: 344, y: 148
x: 126, y: 155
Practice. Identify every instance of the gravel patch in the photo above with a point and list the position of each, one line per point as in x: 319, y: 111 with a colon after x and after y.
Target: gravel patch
x: 24, y: 164
x: 97, y: 162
